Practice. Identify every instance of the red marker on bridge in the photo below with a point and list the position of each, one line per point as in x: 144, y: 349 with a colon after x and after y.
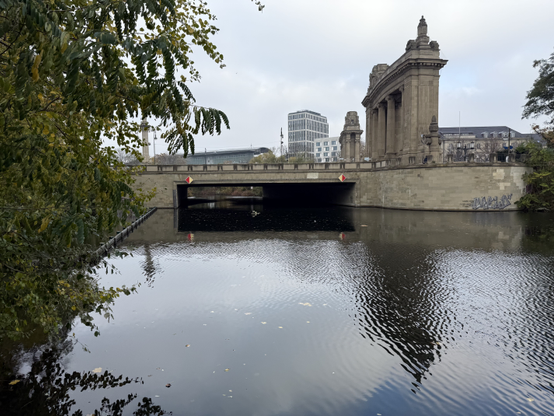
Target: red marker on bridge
x: 189, y: 180
x: 342, y: 178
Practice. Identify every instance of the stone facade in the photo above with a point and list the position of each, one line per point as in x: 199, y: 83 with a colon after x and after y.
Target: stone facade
x: 454, y: 187
x: 350, y: 138
x: 401, y: 101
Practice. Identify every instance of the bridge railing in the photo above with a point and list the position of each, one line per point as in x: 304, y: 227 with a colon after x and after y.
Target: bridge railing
x: 260, y: 167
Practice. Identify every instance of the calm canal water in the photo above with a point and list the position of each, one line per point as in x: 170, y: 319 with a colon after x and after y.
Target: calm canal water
x: 244, y: 309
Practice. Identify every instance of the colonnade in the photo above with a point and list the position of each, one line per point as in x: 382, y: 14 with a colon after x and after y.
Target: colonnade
x: 385, y: 127
x: 401, y: 102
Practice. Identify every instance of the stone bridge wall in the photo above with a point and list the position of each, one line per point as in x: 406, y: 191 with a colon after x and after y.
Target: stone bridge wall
x: 448, y: 187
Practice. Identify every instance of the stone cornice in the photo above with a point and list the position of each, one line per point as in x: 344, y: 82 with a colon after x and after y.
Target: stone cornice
x: 394, y: 72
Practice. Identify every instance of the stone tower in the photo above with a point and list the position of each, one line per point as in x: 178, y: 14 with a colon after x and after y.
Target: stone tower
x: 145, y: 144
x: 350, y: 138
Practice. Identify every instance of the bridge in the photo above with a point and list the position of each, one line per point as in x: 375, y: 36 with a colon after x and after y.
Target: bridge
x: 402, y: 133
x: 445, y: 187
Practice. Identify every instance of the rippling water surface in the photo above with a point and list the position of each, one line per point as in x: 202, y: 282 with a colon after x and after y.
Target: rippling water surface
x: 250, y: 310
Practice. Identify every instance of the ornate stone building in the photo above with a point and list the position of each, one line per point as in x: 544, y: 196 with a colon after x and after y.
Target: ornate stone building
x: 400, y: 103
x: 350, y: 137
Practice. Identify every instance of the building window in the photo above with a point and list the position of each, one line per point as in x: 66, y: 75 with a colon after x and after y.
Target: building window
x: 335, y: 148
x: 325, y: 143
x: 319, y: 149
x: 317, y: 154
x: 334, y: 142
x: 318, y: 144
x: 326, y: 149
x: 333, y: 154
x: 325, y: 154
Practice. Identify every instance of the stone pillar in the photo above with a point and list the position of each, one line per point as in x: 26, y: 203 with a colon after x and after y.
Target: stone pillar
x: 356, y: 150
x: 374, y: 132
x: 381, y: 131
x: 391, y: 139
x: 145, y: 144
x: 400, y: 149
x: 347, y: 148
x: 369, y: 132
x: 493, y: 158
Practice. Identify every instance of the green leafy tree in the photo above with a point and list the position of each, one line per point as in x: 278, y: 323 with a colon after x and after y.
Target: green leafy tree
x: 540, y: 182
x: 268, y: 157
x: 73, y: 73
x: 540, y: 99
x: 301, y: 158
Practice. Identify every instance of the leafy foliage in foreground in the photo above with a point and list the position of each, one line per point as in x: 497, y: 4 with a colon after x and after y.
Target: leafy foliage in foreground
x: 540, y: 101
x: 73, y: 73
x: 540, y: 182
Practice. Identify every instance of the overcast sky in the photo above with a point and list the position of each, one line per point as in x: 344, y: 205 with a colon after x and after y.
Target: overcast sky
x: 317, y: 55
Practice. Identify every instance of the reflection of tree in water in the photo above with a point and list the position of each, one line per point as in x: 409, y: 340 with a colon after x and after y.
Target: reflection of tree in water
x: 148, y: 265
x: 46, y: 388
x: 397, y: 298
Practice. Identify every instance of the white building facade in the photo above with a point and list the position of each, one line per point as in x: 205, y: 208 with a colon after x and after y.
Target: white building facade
x: 304, y: 128
x: 327, y: 149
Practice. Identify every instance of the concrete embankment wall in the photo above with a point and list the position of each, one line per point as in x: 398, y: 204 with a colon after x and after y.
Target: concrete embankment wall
x: 443, y: 187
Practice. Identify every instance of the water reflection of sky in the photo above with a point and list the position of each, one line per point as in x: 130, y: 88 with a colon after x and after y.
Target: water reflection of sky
x: 396, y: 317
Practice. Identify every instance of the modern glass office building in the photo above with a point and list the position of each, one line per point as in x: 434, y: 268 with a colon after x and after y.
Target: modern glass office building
x: 304, y: 127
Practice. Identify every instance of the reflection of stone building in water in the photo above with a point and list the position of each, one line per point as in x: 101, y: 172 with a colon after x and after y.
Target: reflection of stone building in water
x: 400, y: 103
x: 304, y: 127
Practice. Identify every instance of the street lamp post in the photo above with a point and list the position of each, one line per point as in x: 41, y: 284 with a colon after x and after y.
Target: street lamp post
x: 464, y: 148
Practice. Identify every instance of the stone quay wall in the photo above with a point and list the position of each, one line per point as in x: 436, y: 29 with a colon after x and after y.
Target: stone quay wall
x: 435, y: 187
x: 444, y: 187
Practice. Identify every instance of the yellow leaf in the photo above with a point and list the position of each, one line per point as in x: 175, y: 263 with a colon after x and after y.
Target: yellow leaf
x: 34, y: 69
x: 45, y: 222
x: 12, y: 383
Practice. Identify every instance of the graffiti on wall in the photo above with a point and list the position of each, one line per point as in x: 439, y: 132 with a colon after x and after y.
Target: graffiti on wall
x: 492, y: 203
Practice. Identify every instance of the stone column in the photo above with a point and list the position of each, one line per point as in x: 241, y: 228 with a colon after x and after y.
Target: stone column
x: 368, y: 129
x: 347, y: 148
x: 374, y: 131
x: 391, y: 139
x: 356, y: 151
x: 401, y: 148
x: 381, y: 130
x: 145, y: 144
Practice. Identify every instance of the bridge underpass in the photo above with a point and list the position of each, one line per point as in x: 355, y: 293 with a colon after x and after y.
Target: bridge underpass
x: 320, y: 193
x: 436, y: 186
